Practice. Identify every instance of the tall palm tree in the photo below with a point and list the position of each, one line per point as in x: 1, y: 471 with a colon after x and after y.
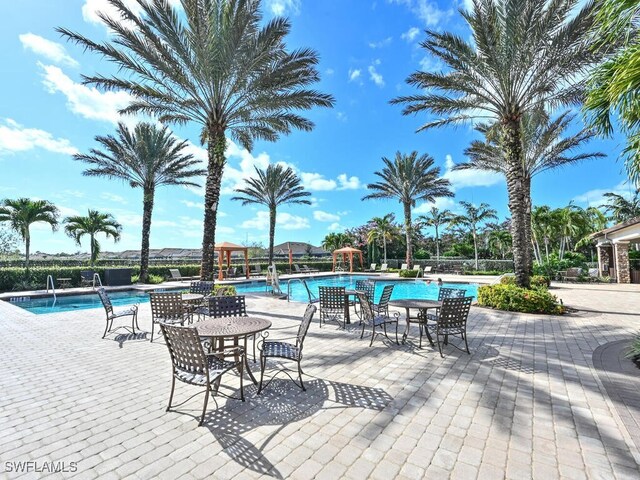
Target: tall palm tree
x: 334, y: 241
x: 409, y: 178
x: 472, y: 219
x: 500, y: 241
x: 613, y: 86
x: 273, y: 187
x: 94, y: 223
x: 524, y: 56
x: 22, y: 213
x: 620, y: 208
x: 147, y: 157
x: 544, y: 226
x: 385, y: 229
x: 436, y: 218
x: 214, y: 63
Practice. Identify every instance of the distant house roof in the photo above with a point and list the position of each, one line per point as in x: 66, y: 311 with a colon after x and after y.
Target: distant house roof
x: 298, y: 249
x: 625, y: 231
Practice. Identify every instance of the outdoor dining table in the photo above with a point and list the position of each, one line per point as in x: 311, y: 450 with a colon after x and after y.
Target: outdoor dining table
x: 415, y: 303
x: 236, y: 328
x: 347, y: 295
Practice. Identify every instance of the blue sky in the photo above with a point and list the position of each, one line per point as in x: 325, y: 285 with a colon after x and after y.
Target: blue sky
x: 367, y: 49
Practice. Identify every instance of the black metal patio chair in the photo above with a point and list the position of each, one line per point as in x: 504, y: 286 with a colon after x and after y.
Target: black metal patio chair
x: 382, y: 307
x: 452, y: 320
x: 191, y: 365
x: 112, y: 314
x: 286, y: 351
x: 375, y: 321
x: 332, y: 305
x: 167, y: 308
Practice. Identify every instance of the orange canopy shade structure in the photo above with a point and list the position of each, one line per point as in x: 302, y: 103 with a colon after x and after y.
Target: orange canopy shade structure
x: 225, y: 248
x: 347, y: 251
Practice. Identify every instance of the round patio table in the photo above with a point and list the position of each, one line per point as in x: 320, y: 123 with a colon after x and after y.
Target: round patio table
x: 192, y: 297
x: 219, y: 329
x: 420, y: 304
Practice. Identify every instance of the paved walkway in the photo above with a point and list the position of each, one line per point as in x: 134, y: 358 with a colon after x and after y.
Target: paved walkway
x: 527, y: 403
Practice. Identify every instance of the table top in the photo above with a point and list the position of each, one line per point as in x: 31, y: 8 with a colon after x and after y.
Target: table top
x: 64, y: 278
x: 415, y: 303
x: 231, y: 326
x: 191, y: 297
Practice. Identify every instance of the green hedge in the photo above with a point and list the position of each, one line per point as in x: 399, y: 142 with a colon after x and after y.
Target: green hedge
x: 517, y: 299
x: 408, y: 273
x: 536, y: 281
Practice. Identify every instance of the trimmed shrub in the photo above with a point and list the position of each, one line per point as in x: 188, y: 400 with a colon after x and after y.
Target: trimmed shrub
x: 517, y: 299
x: 224, y: 290
x: 540, y: 281
x: 408, y: 273
x: 508, y: 280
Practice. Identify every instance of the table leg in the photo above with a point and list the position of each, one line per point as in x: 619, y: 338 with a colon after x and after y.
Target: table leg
x: 347, y: 317
x: 246, y: 363
x: 406, y: 330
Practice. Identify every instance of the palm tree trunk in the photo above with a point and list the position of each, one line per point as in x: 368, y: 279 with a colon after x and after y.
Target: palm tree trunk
x: 92, y: 249
x: 475, y: 246
x: 526, y: 193
x: 272, y: 231
x: 407, y: 228
x: 147, y: 211
x: 437, y: 245
x: 27, y: 246
x: 216, y: 150
x: 517, y: 203
x: 384, y: 242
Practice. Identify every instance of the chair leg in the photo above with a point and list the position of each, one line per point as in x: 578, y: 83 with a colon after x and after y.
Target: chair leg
x: 204, y: 407
x: 397, y: 343
x: 263, y: 364
x: 362, y: 334
x: 133, y: 322
x: 373, y: 335
x: 439, y: 345
x: 300, y: 377
x: 465, y: 343
x: 153, y: 327
x: 420, y: 328
x: 242, y: 378
x: 173, y: 386
x: 106, y: 329
x: 254, y: 349
x: 136, y: 317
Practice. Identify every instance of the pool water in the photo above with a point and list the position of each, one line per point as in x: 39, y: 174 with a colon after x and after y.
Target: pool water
x: 403, y: 289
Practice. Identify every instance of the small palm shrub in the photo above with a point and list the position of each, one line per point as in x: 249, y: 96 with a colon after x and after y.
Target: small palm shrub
x: 408, y: 273
x: 224, y: 290
x: 517, y: 299
x: 633, y: 352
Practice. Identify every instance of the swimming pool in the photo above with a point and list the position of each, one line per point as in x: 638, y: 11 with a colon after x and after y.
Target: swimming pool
x: 403, y: 289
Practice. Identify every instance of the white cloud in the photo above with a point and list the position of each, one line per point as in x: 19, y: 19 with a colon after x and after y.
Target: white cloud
x: 283, y: 7
x: 349, y: 183
x: 469, y: 178
x: 316, y: 181
x: 284, y: 220
x: 111, y: 197
x: 354, y: 74
x: 341, y: 116
x: 411, y: 34
x: 321, y: 216
x: 427, y: 11
x: 190, y: 204
x: 91, y: 8
x: 375, y: 76
x: 329, y: 71
x: 16, y: 138
x: 595, y: 197
x: 429, y: 64
x: 87, y: 102
x: 381, y: 43
x: 225, y: 230
x: 336, y: 227
x: 51, y: 50
x: 441, y: 203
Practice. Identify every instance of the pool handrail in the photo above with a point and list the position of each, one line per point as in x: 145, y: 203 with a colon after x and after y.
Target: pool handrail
x: 312, y: 297
x: 53, y: 287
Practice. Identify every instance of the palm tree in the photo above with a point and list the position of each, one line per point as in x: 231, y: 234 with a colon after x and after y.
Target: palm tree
x: 436, y: 218
x: 147, y: 157
x: 383, y: 228
x: 524, y: 56
x: 273, y: 187
x: 613, y: 86
x: 472, y: 219
x: 409, y: 178
x: 23, y: 212
x: 214, y: 63
x: 95, y: 222
x: 334, y: 241
x: 544, y: 225
x: 621, y: 208
x: 500, y: 241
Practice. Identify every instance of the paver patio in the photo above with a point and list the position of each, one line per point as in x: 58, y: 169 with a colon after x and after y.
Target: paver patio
x: 527, y: 403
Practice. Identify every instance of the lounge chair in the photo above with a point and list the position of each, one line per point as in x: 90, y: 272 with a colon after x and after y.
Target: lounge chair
x: 427, y: 269
x: 417, y: 268
x: 297, y: 269
x: 384, y: 267
x: 176, y: 275
x: 372, y: 268
x: 309, y: 270
x: 255, y: 271
x: 404, y: 266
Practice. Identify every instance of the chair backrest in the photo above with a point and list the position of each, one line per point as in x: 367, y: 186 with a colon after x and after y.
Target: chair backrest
x: 404, y: 266
x: 454, y: 312
x: 257, y: 269
x: 296, y: 267
x: 106, y: 301
x: 175, y: 273
x: 417, y: 267
x: 446, y: 292
x: 384, y: 267
x: 227, y: 306
x: 202, y: 287
x: 86, y: 275
x: 331, y: 298
x: 373, y: 266
x: 166, y: 306
x: 368, y: 287
x: 428, y: 269
x: 387, y: 291
x: 366, y: 310
x: 304, y: 325
x: 186, y: 351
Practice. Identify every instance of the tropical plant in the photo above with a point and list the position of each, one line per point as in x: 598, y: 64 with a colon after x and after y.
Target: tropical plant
x: 94, y: 223
x: 621, y: 208
x: 385, y: 229
x: 524, y: 56
x: 22, y: 213
x: 214, y: 63
x: 409, y: 178
x: 147, y: 157
x: 8, y: 243
x: 472, y: 218
x: 436, y: 218
x: 614, y: 85
x: 272, y: 187
x: 334, y: 241
x: 499, y: 241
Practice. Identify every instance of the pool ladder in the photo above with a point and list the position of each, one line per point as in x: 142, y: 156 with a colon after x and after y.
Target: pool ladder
x: 53, y: 287
x: 312, y: 297
x: 96, y: 276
